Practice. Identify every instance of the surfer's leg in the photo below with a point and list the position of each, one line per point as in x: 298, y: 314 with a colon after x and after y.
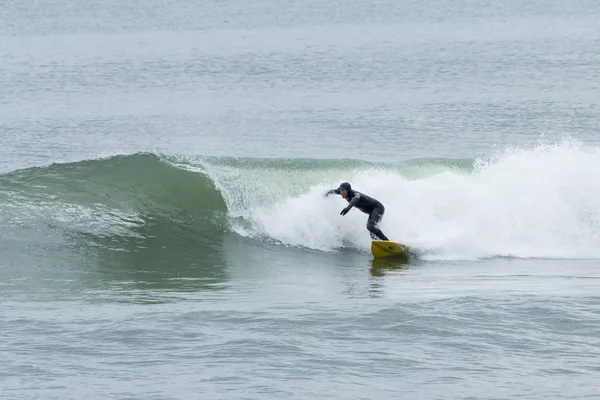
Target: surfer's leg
x: 372, y: 222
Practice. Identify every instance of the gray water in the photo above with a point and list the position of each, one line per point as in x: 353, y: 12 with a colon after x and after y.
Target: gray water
x: 163, y: 233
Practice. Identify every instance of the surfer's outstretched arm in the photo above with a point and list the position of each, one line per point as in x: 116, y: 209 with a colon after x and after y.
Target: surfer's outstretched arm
x: 332, y: 191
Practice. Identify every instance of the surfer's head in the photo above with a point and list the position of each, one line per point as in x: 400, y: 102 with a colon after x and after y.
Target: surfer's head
x: 345, y: 189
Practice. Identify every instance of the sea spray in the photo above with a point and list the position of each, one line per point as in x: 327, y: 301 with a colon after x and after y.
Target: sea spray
x: 540, y: 202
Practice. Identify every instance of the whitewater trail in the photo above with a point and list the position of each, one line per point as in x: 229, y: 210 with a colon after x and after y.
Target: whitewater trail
x: 541, y: 202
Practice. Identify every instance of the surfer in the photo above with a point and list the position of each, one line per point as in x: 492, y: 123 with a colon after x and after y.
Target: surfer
x: 364, y: 203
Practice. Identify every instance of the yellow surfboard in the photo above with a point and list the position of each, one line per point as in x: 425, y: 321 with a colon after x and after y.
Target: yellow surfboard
x: 387, y: 248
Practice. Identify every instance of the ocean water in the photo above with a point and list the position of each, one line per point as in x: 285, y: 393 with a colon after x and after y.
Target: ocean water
x: 163, y: 229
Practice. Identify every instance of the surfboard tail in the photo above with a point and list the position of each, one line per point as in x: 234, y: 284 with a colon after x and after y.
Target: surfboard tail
x: 387, y: 248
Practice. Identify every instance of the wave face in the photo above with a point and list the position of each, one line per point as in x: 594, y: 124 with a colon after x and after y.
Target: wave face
x: 538, y: 202
x: 116, y: 196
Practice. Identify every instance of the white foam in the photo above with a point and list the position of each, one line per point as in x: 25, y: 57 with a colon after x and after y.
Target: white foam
x: 540, y: 202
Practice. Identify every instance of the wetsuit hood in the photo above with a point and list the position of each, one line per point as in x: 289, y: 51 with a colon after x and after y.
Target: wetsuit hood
x: 345, y: 185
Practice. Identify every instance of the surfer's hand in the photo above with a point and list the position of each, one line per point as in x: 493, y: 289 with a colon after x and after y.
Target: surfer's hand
x: 345, y: 211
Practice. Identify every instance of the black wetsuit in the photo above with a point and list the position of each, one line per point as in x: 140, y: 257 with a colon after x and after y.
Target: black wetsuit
x: 368, y: 205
